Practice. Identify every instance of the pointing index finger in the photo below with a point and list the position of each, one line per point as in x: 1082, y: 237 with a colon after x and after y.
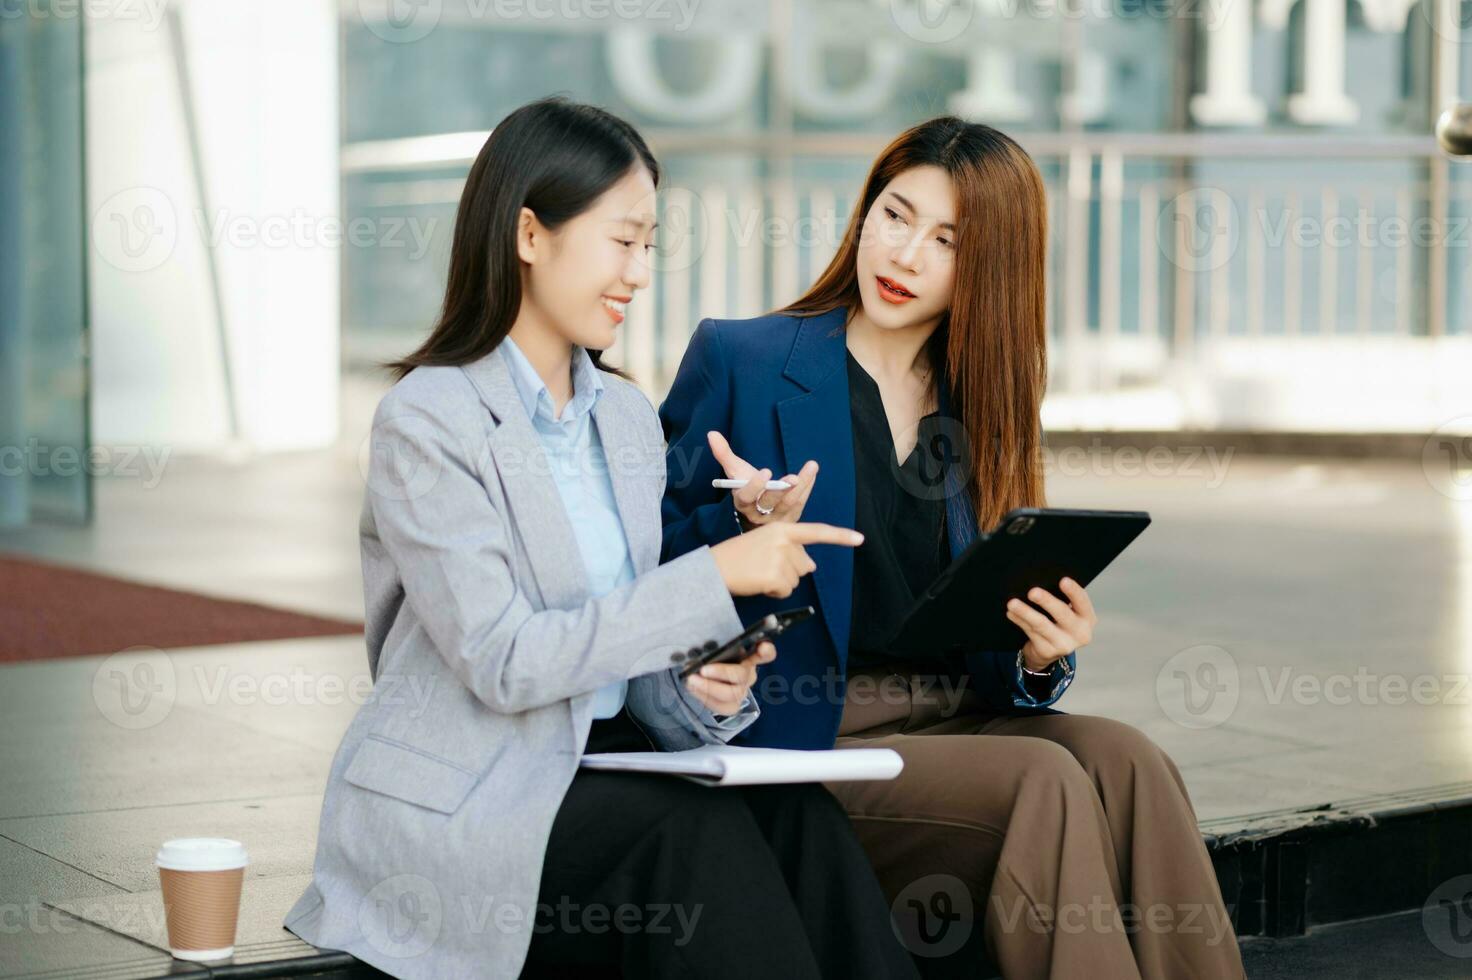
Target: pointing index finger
x: 816, y: 533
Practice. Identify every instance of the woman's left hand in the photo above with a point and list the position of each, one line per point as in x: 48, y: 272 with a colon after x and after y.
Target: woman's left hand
x: 787, y: 504
x: 1050, y: 639
x: 722, y: 687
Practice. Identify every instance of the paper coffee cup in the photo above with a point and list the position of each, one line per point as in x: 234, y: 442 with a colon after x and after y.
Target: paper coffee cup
x: 201, y: 879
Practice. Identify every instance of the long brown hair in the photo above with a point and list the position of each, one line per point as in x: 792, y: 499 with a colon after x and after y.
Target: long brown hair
x: 992, y: 340
x: 554, y: 156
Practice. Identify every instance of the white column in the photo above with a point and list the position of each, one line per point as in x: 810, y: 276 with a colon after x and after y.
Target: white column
x: 1446, y: 31
x: 712, y: 273
x: 1323, y: 101
x: 1089, y: 100
x: 679, y: 225
x: 991, y: 91
x: 751, y: 252
x: 1228, y: 99
x: 263, y: 88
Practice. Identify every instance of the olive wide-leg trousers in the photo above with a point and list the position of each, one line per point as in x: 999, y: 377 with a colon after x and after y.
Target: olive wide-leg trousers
x: 1057, y: 845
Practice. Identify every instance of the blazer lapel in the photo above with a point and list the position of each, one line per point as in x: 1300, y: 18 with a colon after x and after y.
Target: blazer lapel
x: 634, y: 469
x: 516, y: 457
x: 816, y: 425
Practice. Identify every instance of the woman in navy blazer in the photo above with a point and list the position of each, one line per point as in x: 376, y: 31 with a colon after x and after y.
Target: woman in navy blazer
x: 901, y: 397
x: 776, y: 387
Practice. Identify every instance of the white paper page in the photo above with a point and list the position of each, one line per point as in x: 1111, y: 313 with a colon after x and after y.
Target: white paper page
x: 739, y: 765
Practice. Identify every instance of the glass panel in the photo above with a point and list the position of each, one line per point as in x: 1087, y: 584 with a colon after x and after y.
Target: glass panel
x: 43, y: 377
x: 1201, y: 160
x: 765, y: 116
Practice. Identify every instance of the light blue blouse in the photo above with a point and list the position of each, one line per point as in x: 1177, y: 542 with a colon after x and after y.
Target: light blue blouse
x: 575, y: 457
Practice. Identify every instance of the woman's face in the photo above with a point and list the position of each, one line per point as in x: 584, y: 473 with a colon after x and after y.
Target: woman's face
x: 907, y: 250
x: 580, y: 277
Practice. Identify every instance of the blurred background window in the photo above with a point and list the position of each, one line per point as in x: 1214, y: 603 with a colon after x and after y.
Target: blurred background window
x: 43, y: 376
x: 1229, y: 185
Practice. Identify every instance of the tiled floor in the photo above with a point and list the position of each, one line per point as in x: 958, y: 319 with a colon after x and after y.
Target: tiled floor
x: 234, y: 741
x: 1262, y: 630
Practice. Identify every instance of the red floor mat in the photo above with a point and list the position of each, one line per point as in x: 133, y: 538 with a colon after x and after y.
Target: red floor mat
x: 50, y: 611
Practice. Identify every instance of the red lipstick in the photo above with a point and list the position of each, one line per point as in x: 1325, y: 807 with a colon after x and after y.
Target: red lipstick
x: 892, y: 292
x: 613, y: 306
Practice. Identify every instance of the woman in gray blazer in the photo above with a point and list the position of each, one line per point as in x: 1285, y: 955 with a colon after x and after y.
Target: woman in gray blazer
x: 516, y: 619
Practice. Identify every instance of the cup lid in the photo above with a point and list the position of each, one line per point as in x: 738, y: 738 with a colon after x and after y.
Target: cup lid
x: 201, y: 854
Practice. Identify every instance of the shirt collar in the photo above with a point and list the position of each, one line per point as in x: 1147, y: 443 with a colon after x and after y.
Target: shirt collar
x: 587, y: 384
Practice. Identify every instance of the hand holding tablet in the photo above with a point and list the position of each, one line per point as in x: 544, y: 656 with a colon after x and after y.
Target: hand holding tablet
x: 966, y: 609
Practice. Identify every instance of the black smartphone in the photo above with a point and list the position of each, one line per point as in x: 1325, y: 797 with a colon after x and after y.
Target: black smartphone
x: 740, y: 646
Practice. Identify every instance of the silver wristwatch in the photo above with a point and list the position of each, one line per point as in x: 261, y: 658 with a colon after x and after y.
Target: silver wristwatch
x: 1022, y: 666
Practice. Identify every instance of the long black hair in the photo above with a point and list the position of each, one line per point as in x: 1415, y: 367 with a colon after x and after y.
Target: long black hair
x: 553, y: 156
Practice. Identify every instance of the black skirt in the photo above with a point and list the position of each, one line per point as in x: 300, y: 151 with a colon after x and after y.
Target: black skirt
x: 650, y: 875
x: 617, y: 734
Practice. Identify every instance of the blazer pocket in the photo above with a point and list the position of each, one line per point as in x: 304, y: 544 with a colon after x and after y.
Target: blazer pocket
x: 410, y: 775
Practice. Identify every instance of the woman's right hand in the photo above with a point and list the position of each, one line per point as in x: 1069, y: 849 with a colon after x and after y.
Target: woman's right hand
x: 771, y: 560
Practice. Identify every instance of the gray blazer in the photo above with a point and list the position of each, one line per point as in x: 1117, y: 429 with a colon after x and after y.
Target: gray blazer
x: 486, y: 651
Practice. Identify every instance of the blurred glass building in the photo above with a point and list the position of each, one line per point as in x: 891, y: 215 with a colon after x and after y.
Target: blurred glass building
x: 230, y: 207
x: 1250, y: 221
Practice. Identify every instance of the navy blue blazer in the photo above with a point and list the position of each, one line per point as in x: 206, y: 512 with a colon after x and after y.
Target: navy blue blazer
x: 777, y: 387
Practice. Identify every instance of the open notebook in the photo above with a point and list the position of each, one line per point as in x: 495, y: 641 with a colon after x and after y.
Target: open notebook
x: 741, y: 765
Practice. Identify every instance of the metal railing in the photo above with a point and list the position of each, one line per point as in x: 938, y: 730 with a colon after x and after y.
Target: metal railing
x: 1159, y: 243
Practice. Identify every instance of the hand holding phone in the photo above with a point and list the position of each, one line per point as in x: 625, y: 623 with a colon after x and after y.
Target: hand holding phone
x: 740, y: 646
x: 724, y: 688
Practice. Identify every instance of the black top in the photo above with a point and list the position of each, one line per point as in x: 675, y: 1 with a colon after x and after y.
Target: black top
x: 901, y: 511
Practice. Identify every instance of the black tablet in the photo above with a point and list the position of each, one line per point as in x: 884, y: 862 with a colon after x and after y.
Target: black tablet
x: 965, y: 609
